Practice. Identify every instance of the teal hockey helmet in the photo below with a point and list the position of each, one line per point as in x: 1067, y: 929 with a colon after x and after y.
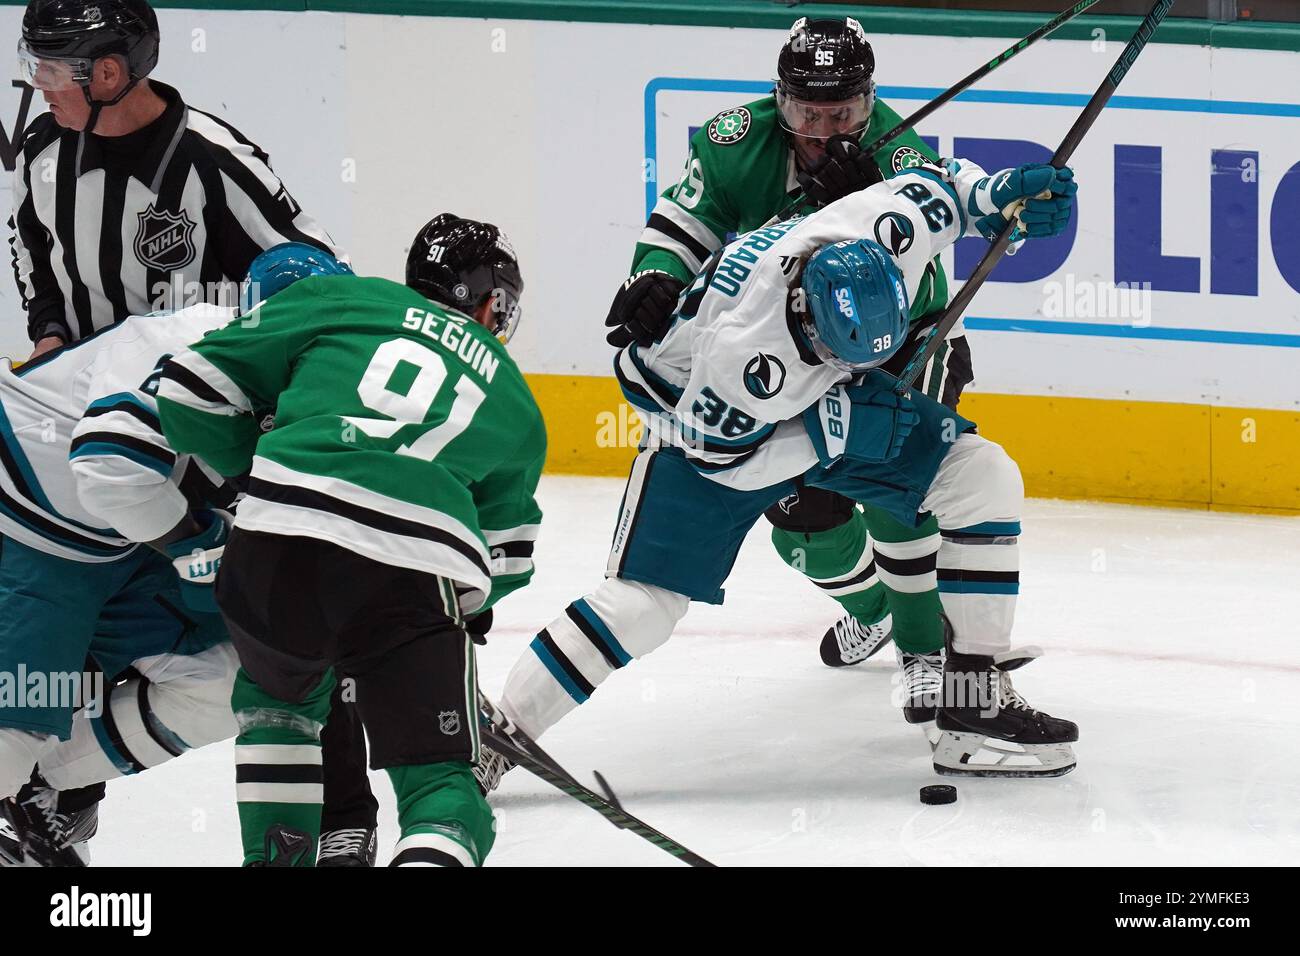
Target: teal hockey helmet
x: 280, y: 267
x: 856, y: 315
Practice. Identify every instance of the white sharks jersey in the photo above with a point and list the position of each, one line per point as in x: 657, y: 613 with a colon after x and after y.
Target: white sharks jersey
x: 85, y: 401
x: 731, y: 380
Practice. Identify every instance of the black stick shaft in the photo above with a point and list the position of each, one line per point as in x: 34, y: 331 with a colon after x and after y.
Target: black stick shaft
x: 935, y: 337
x: 1062, y: 18
x: 525, y: 752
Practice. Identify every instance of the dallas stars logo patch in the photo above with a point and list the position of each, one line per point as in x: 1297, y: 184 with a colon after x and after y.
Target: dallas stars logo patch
x: 895, y: 232
x: 905, y: 157
x: 764, y: 375
x: 729, y: 126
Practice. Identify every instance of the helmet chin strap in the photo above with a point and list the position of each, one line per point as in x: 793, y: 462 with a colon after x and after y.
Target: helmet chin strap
x: 97, y: 106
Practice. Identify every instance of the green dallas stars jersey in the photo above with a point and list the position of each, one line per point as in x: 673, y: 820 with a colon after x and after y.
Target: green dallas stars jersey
x: 403, y: 430
x: 739, y: 174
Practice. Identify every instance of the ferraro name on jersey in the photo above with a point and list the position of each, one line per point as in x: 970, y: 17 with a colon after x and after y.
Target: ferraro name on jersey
x: 730, y: 381
x: 84, y: 401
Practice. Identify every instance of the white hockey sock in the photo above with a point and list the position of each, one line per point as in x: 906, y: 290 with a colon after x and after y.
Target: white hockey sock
x: 979, y: 579
x: 977, y: 497
x: 19, y: 752
x: 594, y: 637
x: 183, y: 702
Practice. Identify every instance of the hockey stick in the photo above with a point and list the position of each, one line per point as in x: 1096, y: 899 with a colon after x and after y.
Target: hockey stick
x: 935, y: 337
x: 957, y: 89
x: 514, y: 744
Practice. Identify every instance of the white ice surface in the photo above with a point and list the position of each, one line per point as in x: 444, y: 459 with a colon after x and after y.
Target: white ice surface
x: 1172, y: 638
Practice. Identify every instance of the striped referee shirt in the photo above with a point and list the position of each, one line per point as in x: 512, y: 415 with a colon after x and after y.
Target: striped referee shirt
x: 100, y: 233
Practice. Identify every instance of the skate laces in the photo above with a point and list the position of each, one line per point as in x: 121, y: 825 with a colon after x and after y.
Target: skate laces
x: 46, y: 800
x: 1008, y: 696
x: 489, y: 770
x: 350, y: 841
x: 922, y: 673
x: 60, y: 829
x: 854, y: 639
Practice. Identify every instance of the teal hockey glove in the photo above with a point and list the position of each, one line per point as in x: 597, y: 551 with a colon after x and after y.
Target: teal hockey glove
x: 1047, y: 195
x: 880, y: 420
x: 198, y: 558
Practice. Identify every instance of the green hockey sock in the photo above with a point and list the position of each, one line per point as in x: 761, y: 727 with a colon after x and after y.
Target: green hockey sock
x: 837, y: 561
x: 905, y: 564
x: 444, y: 819
x: 278, y: 776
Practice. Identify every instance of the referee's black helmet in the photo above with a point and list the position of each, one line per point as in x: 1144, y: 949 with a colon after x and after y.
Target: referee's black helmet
x: 92, y: 29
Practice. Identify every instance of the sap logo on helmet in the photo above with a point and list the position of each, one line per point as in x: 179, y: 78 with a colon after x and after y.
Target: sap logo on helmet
x: 844, y: 300
x: 856, y: 27
x: 900, y: 294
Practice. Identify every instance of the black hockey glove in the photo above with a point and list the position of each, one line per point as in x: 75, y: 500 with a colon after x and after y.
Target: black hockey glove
x: 844, y: 169
x: 478, y: 626
x: 642, y: 310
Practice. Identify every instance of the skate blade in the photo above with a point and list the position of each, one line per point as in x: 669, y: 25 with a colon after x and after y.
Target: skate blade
x: 11, y: 846
x: 976, y: 755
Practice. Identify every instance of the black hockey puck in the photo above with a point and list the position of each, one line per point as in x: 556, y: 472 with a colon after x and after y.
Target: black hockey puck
x: 938, y: 793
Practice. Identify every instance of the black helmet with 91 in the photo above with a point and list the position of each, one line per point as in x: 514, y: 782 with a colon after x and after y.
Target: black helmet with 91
x: 824, y: 84
x: 461, y: 263
x: 62, y: 40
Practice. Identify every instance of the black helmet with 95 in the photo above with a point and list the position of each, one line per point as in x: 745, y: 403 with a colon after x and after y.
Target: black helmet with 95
x: 463, y: 263
x: 63, y: 39
x: 824, y: 84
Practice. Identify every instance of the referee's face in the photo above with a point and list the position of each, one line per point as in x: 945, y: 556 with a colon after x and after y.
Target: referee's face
x: 69, y: 106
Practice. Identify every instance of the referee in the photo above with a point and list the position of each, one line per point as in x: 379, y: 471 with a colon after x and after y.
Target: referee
x: 126, y: 200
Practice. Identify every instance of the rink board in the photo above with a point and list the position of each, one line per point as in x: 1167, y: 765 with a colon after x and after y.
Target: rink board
x: 1196, y: 456
x: 563, y: 132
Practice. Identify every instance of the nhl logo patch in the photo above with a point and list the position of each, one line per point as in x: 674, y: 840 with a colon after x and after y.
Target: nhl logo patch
x: 729, y: 126
x: 895, y: 232
x: 905, y: 157
x: 449, y: 722
x: 764, y: 375
x: 165, y: 240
